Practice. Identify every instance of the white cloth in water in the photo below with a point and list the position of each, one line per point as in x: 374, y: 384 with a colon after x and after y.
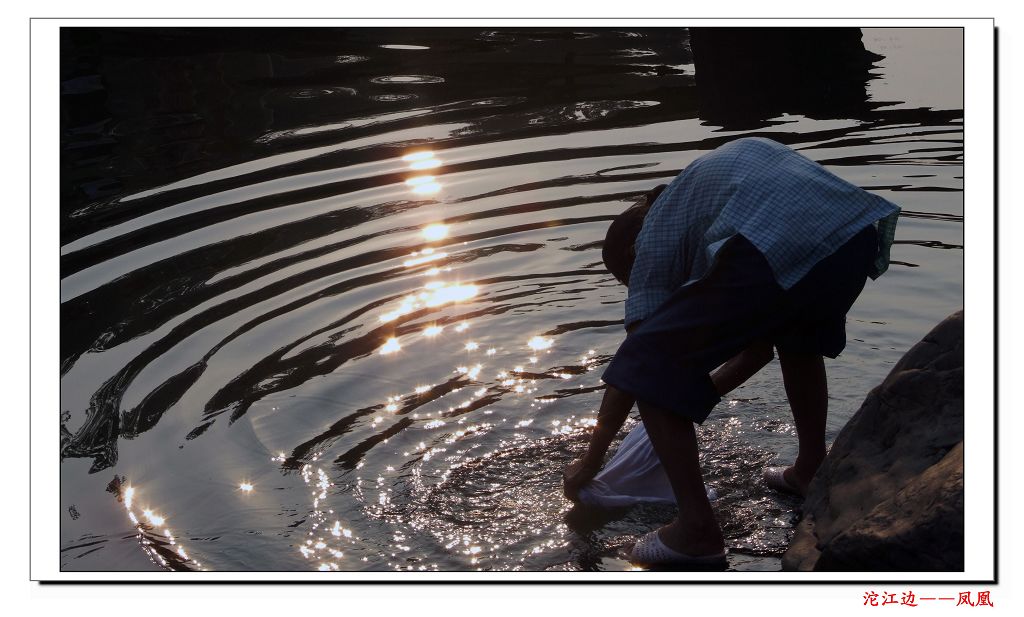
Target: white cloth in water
x: 634, y: 475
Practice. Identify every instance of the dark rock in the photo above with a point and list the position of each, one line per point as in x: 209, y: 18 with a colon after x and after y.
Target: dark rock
x: 889, y: 496
x: 746, y: 76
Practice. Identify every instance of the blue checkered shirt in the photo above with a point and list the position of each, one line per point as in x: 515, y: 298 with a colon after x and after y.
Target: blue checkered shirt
x: 792, y: 209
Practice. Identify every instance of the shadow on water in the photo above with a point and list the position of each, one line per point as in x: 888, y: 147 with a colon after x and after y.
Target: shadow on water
x: 364, y: 264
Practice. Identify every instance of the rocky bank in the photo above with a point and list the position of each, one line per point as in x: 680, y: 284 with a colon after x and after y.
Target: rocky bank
x: 890, y: 494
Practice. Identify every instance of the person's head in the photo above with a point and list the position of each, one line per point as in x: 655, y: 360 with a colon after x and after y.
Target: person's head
x: 619, y: 249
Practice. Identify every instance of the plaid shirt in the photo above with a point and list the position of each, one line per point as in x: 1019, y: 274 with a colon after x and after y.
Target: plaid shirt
x: 792, y: 209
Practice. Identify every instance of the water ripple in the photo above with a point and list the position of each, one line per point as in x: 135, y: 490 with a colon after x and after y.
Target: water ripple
x: 344, y: 326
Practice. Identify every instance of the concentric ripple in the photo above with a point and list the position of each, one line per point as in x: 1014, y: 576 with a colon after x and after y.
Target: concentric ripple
x: 336, y: 301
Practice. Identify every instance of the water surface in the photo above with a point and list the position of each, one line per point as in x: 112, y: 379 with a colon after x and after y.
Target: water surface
x: 334, y: 299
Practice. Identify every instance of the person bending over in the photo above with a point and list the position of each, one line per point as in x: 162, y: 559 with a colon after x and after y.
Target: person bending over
x: 751, y: 249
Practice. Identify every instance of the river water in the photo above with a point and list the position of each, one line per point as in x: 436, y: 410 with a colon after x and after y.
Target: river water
x: 334, y: 299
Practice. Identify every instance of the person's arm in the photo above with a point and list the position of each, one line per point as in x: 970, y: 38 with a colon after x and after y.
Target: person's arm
x: 614, y: 409
x: 742, y: 367
x: 616, y: 404
x: 612, y: 415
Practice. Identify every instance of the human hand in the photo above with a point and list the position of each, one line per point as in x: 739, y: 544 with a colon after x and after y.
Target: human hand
x: 576, y: 476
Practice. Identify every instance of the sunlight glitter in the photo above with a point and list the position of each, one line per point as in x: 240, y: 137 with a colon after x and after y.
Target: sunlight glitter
x: 539, y: 342
x: 391, y: 346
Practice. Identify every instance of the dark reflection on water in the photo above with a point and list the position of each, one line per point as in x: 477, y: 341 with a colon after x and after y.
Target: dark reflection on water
x: 333, y: 298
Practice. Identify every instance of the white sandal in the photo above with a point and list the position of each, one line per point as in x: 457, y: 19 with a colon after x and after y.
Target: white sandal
x: 651, y: 551
x: 775, y: 478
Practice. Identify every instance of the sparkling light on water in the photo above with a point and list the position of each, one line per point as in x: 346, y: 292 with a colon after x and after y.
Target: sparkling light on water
x: 434, y: 232
x: 151, y: 543
x: 423, y: 185
x: 423, y: 159
x: 426, y: 164
x: 451, y: 293
x: 419, y: 181
x: 539, y: 342
x: 425, y: 256
x: 427, y: 189
x: 324, y: 268
x: 420, y: 155
x: 434, y: 294
x: 318, y: 546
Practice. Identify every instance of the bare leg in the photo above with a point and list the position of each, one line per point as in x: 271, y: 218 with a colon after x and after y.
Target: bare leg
x: 696, y: 531
x: 807, y: 390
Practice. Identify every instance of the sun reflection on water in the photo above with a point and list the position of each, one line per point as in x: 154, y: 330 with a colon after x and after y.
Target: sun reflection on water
x: 450, y: 293
x: 425, y: 164
x: 486, y: 508
x: 419, y: 181
x: 420, y: 155
x: 428, y: 188
x: 427, y: 255
x: 423, y: 185
x: 155, y: 538
x: 539, y: 342
x: 325, y: 550
x: 424, y: 159
x: 391, y: 346
x: 434, y: 294
x: 479, y: 479
x: 154, y: 519
x: 434, y: 232
x: 452, y: 440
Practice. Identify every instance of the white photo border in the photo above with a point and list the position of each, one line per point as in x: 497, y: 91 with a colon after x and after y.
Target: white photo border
x: 979, y: 300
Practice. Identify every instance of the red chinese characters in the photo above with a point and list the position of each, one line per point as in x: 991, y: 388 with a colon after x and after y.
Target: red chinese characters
x: 909, y: 598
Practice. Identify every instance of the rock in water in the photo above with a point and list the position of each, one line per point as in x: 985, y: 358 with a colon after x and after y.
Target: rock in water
x: 890, y: 494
